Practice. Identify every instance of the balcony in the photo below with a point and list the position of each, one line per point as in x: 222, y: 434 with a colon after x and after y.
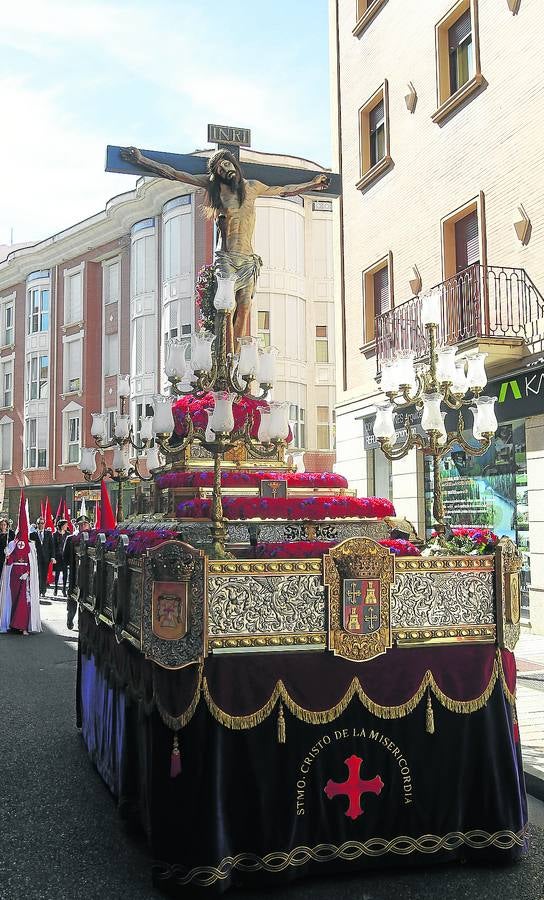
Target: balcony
x: 491, y: 308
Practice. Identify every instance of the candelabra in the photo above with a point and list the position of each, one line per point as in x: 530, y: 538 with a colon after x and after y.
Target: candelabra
x: 121, y: 469
x: 228, y: 378
x: 443, y: 381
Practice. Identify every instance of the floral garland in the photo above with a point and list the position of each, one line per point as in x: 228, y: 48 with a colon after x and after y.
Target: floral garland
x: 236, y: 478
x: 463, y: 541
x: 305, y: 508
x: 205, y: 292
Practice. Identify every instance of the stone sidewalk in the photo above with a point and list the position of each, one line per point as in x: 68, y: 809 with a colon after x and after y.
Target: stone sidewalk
x: 530, y: 705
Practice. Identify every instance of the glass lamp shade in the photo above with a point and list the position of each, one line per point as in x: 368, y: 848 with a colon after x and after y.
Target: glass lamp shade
x: 431, y: 308
x: 224, y: 295
x: 459, y: 384
x: 163, y: 420
x: 443, y: 435
x: 279, y: 420
x: 263, y: 434
x: 405, y: 371
x: 390, y: 381
x: 248, y: 362
x: 146, y: 428
x: 476, y: 374
x: 432, y: 420
x: 99, y: 427
x: 120, y: 458
x: 153, y: 458
x: 123, y: 386
x: 175, y: 358
x: 485, y: 418
x: 222, y: 418
x: 122, y: 427
x: 267, y: 365
x: 202, y: 351
x: 445, y: 364
x: 87, y: 463
x: 384, y: 425
x: 476, y: 433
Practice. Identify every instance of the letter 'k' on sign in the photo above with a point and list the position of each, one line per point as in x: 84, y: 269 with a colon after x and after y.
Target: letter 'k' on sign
x: 354, y: 787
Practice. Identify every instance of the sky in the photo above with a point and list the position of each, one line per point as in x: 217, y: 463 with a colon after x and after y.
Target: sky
x: 76, y: 75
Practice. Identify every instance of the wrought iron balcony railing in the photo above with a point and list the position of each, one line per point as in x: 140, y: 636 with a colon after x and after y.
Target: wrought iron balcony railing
x: 479, y: 302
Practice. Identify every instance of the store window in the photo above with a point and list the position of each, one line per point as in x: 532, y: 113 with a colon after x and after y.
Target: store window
x: 488, y: 491
x: 379, y: 474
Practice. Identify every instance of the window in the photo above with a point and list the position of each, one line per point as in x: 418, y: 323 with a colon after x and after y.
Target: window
x: 374, y: 136
x: 8, y: 322
x: 72, y: 366
x: 111, y: 354
x: 38, y: 310
x: 36, y: 443
x: 458, y: 57
x: 112, y: 416
x: 463, y: 242
x: 73, y: 297
x: 321, y: 344
x: 263, y: 327
x: 110, y: 282
x: 377, y: 295
x: 296, y: 394
x: 73, y: 444
x: 7, y: 383
x: 323, y: 428
x: 366, y: 11
x: 460, y: 52
x: 138, y: 422
x: 143, y: 265
x: 379, y: 474
x: 37, y: 377
x: 6, y: 445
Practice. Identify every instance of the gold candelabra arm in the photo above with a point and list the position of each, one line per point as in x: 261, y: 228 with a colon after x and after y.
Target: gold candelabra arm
x: 136, y: 471
x: 412, y: 440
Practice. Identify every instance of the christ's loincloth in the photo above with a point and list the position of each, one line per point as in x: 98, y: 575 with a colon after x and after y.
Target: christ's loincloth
x: 246, y: 267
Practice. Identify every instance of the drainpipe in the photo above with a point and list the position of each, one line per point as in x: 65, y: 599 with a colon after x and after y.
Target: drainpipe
x: 53, y: 430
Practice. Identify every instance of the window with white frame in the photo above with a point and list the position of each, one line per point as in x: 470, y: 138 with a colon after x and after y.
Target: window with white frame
x: 37, y: 376
x: 143, y: 265
x: 36, y: 443
x: 111, y: 282
x: 73, y: 297
x: 72, y: 434
x: 295, y: 328
x: 37, y: 310
x: 7, y: 383
x: 323, y: 428
x: 296, y: 394
x: 263, y: 327
x: 72, y: 365
x: 112, y: 416
x: 141, y: 409
x: 143, y: 345
x: 6, y: 445
x: 8, y: 323
x: 111, y: 354
x: 176, y: 237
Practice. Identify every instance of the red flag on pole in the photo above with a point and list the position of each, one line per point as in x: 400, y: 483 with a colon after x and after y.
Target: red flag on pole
x: 49, y: 523
x: 60, y: 510
x: 66, y: 515
x: 107, y: 519
x: 98, y: 517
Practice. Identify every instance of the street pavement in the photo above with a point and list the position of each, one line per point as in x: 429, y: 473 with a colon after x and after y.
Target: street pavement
x: 62, y: 839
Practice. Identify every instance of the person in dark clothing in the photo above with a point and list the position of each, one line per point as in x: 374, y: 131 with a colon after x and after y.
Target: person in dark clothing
x: 59, y: 542
x: 45, y: 552
x: 6, y: 535
x: 70, y: 560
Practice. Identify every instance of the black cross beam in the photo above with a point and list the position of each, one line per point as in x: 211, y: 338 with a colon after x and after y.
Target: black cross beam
x: 197, y: 165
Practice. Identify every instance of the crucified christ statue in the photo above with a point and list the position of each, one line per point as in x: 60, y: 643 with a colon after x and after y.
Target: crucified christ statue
x: 231, y: 203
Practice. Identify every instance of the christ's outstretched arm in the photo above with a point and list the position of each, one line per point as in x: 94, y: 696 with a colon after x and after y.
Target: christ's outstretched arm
x: 319, y: 183
x: 132, y: 154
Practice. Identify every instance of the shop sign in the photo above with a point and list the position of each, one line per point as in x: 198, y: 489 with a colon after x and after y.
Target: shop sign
x: 518, y: 396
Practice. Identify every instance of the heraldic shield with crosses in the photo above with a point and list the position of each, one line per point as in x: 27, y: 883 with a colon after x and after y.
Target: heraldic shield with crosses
x: 361, y: 605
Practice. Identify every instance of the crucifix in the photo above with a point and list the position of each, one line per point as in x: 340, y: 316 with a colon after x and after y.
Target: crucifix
x: 230, y: 200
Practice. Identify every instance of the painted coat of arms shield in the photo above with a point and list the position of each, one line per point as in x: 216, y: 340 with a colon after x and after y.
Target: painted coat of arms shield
x: 361, y: 605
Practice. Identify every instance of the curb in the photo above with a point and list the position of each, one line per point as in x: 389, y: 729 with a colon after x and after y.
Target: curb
x: 534, y: 782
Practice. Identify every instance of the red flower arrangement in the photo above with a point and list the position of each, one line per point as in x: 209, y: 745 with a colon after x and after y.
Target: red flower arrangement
x: 235, y: 478
x: 304, y: 508
x: 198, y: 408
x: 315, y: 549
x: 469, y: 541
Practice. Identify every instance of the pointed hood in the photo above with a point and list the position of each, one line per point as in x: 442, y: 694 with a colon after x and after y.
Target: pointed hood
x: 21, y: 551
x: 107, y: 519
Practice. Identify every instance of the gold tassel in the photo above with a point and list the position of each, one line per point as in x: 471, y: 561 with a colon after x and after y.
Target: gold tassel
x: 281, y: 725
x: 429, y: 715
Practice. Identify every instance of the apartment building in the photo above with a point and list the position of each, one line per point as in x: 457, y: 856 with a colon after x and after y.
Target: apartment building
x: 436, y: 117
x: 101, y: 298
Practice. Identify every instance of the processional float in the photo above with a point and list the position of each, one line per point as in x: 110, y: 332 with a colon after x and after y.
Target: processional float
x: 272, y: 682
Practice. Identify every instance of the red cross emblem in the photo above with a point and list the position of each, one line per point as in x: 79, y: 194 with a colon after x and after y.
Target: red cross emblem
x: 354, y: 787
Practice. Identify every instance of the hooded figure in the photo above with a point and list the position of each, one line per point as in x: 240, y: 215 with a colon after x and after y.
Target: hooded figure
x: 19, y: 590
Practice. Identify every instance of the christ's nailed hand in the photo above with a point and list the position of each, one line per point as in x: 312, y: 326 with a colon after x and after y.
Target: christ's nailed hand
x: 131, y: 154
x: 321, y: 182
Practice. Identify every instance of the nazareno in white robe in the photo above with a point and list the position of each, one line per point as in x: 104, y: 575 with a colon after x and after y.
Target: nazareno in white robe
x: 33, y: 592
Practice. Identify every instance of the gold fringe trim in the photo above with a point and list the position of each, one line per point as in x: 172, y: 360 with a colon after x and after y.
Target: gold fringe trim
x: 281, y: 697
x: 429, y: 715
